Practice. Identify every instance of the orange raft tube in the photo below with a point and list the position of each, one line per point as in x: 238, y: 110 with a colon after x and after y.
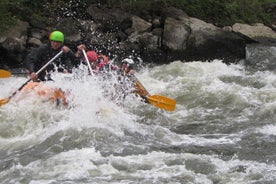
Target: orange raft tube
x: 55, y: 95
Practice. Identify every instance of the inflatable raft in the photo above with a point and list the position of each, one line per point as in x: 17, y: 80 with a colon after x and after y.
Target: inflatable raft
x: 55, y: 95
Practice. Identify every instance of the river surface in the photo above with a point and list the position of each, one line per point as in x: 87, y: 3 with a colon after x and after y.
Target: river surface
x: 222, y: 131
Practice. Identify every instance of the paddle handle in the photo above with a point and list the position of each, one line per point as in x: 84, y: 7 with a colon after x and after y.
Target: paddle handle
x: 137, y: 80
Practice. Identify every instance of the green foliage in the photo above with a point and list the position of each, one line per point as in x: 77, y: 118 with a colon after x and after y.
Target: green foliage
x: 219, y: 12
x: 244, y: 11
x: 6, y: 18
x: 226, y: 12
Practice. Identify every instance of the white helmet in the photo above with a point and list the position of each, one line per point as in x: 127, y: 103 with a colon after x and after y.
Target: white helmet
x: 128, y: 61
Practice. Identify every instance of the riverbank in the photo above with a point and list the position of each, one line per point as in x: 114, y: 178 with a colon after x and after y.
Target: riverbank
x: 160, y: 35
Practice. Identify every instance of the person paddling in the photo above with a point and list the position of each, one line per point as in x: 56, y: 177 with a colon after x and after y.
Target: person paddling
x: 125, y: 83
x: 127, y: 68
x: 104, y: 64
x: 39, y: 56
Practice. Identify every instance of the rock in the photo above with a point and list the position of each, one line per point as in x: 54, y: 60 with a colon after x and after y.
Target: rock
x: 200, y: 31
x: 13, y: 42
x: 150, y: 41
x: 139, y: 25
x: 70, y: 28
x: 175, y: 34
x: 258, y: 32
x: 198, y: 39
x: 34, y: 42
x: 15, y: 38
x: 108, y: 18
x: 39, y: 34
x: 156, y: 23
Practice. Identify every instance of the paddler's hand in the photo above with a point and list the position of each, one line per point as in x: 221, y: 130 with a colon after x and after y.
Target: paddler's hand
x: 33, y: 76
x: 131, y: 72
x: 79, y: 50
x: 67, y: 71
x: 81, y: 47
x: 65, y: 49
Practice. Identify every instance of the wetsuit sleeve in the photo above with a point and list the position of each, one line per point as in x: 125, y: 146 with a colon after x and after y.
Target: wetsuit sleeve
x: 70, y: 57
x: 33, y: 58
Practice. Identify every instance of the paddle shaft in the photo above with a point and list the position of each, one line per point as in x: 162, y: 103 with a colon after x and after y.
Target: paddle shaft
x: 55, y: 57
x: 87, y: 61
x: 137, y: 80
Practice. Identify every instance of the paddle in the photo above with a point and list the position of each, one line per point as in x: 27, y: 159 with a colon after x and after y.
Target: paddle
x: 87, y: 61
x: 4, y: 74
x: 159, y: 101
x: 6, y: 100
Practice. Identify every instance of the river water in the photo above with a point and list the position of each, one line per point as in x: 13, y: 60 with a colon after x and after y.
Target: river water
x: 222, y: 131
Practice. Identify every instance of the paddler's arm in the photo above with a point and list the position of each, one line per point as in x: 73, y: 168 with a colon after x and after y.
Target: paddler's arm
x: 32, y: 58
x: 69, y: 57
x: 30, y: 62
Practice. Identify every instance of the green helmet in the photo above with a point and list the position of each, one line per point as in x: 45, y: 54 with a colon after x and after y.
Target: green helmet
x: 56, y: 36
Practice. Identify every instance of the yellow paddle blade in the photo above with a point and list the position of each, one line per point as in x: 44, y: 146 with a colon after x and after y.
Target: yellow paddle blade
x: 162, y: 102
x: 4, y: 74
x: 4, y: 101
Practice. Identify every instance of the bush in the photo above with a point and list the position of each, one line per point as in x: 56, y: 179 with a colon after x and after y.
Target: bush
x: 6, y: 18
